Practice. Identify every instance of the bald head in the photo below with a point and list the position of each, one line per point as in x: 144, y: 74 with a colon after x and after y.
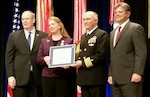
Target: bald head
x: 91, y: 14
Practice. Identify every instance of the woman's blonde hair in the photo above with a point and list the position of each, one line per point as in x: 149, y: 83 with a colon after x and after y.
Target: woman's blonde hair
x: 63, y: 31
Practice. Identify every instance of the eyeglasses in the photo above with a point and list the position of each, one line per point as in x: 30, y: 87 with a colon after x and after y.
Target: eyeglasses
x: 26, y: 19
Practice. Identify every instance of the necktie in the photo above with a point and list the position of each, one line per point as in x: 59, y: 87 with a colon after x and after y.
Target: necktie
x: 118, y: 34
x: 29, y: 38
x: 29, y: 41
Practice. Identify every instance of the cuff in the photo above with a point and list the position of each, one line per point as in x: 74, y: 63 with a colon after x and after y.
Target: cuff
x: 88, y: 62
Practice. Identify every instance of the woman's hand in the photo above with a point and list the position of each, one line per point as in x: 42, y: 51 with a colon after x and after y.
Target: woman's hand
x: 47, y: 60
x: 77, y: 64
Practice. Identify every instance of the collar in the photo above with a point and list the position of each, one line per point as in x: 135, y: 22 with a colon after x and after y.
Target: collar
x: 32, y: 31
x: 123, y: 24
x: 89, y: 32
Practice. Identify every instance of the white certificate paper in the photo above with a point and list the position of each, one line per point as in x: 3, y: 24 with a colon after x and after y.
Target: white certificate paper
x: 62, y: 55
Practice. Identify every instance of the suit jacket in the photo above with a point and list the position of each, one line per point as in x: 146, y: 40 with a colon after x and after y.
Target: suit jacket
x: 96, y: 47
x: 19, y: 57
x: 43, y: 51
x: 129, y: 54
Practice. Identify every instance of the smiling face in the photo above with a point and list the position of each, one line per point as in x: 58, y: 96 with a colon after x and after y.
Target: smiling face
x: 122, y: 13
x: 90, y: 20
x: 28, y: 20
x: 54, y: 27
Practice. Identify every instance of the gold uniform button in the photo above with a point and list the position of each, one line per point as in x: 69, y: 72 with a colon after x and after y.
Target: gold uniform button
x: 92, y: 59
x: 85, y: 49
x: 84, y: 57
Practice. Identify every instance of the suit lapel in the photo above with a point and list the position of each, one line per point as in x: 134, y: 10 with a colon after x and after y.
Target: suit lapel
x: 36, y: 40
x: 24, y: 40
x: 84, y: 39
x: 112, y: 38
x: 122, y: 32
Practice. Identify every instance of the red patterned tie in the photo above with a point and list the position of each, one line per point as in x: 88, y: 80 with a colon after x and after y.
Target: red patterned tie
x: 118, y: 34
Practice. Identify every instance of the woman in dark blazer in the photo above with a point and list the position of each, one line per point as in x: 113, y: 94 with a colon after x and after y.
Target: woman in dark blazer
x: 60, y: 81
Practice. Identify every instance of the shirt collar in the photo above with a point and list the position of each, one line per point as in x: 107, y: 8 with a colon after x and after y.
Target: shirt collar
x: 32, y: 31
x: 123, y: 24
x: 89, y: 32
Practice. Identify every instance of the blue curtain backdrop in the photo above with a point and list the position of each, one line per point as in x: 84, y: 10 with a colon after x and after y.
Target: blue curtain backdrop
x: 64, y: 10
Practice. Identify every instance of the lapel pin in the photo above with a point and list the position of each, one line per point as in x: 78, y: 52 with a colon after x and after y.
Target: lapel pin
x: 37, y: 34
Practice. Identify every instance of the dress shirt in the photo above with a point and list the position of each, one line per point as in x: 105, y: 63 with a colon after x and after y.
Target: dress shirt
x: 122, y: 26
x: 32, y: 36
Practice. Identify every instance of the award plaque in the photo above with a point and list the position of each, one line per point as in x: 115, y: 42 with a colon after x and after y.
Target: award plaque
x: 62, y: 55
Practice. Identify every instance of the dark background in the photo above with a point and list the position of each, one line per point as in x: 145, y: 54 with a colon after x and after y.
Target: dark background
x: 64, y: 10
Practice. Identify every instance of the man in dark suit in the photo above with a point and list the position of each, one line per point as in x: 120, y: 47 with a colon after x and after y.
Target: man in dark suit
x: 127, y: 55
x: 92, y: 69
x: 24, y: 75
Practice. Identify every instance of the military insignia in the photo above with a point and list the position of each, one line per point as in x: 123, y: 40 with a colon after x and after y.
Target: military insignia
x: 88, y: 62
x: 92, y: 41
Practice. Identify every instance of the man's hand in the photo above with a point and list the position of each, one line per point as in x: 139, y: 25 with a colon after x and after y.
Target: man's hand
x: 79, y: 89
x: 136, y: 78
x: 12, y: 82
x: 110, y: 80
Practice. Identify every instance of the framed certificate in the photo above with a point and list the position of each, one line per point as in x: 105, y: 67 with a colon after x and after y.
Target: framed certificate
x: 62, y: 55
